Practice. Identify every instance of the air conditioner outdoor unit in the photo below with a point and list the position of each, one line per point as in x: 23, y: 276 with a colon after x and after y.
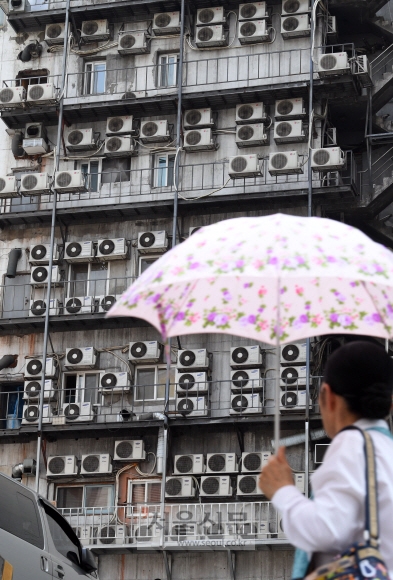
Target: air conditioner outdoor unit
x: 247, y: 356
x: 133, y: 43
x: 215, y: 485
x: 248, y: 485
x: 34, y: 368
x: 78, y: 412
x: 78, y: 305
x: 295, y: 26
x: 327, y: 159
x: 284, y: 163
x: 40, y: 275
x: 250, y: 113
x: 192, y: 406
x: 35, y: 146
x: 32, y: 390
x: 79, y: 251
x: 211, y: 36
x: 95, y: 30
x: 179, y: 487
x: 31, y: 413
x: 147, y: 533
x: 70, y: 181
x: 253, y: 31
x: 290, y: 109
x: 221, y: 463
x: 35, y: 184
x: 84, y: 357
x: 320, y: 450
x: 35, y: 131
x: 243, y: 166
x: 81, y: 140
x: 42, y: 94
x: 54, y: 33
x: 189, y: 464
x: 105, y: 303
x: 246, y: 381
x: 8, y: 186
x: 85, y: 534
x: 253, y: 462
x: 293, y: 377
x: 332, y: 64
x: 145, y: 351
x: 154, y: 131
x: 289, y: 132
x: 166, y: 23
x: 199, y: 140
x: 193, y: 230
x: 38, y: 307
x: 299, y: 481
x: 254, y: 10
x: 112, y: 535
x: 295, y: 6
x: 96, y: 463
x: 119, y: 146
x: 210, y: 15
x: 119, y: 125
x: 153, y: 242
x: 253, y: 530
x: 114, y: 382
x: 111, y: 249
x: 280, y: 528
x: 361, y: 69
x: 251, y: 135
x: 130, y: 450
x: 40, y: 253
x: 294, y: 354
x: 197, y: 359
x: 191, y: 382
x: 11, y: 97
x: 17, y: 5
x: 62, y: 465
x: 294, y: 401
x: 246, y: 404
x: 200, y: 118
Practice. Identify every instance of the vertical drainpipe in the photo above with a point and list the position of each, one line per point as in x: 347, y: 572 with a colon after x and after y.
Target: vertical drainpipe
x: 174, y: 241
x: 52, y: 241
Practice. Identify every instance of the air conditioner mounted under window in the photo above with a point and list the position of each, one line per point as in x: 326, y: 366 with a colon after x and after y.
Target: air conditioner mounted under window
x: 114, y: 382
x: 78, y: 305
x: 79, y: 412
x: 152, y: 242
x: 145, y: 351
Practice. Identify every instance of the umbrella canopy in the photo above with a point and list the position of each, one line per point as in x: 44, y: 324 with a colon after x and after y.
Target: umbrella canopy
x: 275, y: 279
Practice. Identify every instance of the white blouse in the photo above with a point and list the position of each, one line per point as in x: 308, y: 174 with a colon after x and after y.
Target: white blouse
x: 335, y: 518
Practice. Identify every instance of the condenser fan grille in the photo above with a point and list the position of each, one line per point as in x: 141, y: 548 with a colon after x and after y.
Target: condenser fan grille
x: 91, y: 463
x: 252, y: 462
x: 38, y: 252
x: 116, y: 124
x: 239, y: 403
x: 248, y: 29
x: 211, y: 485
x: 238, y: 164
x: 205, y: 34
x: 53, y: 31
x: 149, y: 129
x: 279, y: 161
x: 289, y: 400
x: 90, y: 27
x: 284, y: 129
x: 72, y: 411
x: 290, y: 24
x: 291, y: 6
x: 56, y: 465
x: 184, y: 464
x: 124, y: 449
x: 31, y: 413
x: 34, y: 367
x: 173, y: 486
x: 33, y: 130
x: 290, y: 376
x: 328, y: 62
x: 138, y: 350
x: 285, y: 108
x: 40, y: 274
x: 248, y: 484
x: 29, y: 182
x: 216, y: 463
x: 106, y: 247
x: 206, y: 15
x: 162, y: 20
x: 74, y: 356
x: 193, y: 138
x: 2, y: 184
x: 245, y: 112
x: 240, y: 355
x: 108, y: 381
x: 73, y: 305
x: 321, y: 157
x: 245, y: 133
x: 290, y: 352
x: 248, y: 11
x: 127, y: 41
x: 187, y: 358
x: 36, y: 93
x: 63, y: 179
x: 73, y: 249
x: 75, y: 137
x: 33, y: 389
x: 6, y: 95
x: 38, y: 308
x: 193, y: 117
x: 185, y: 406
x: 147, y: 240
x: 186, y: 382
x: 240, y: 379
x: 113, y: 144
x: 107, y: 535
x: 107, y: 302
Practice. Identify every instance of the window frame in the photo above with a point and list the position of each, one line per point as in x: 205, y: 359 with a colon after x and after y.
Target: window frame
x: 78, y: 165
x: 80, y: 386
x: 89, y: 77
x: 156, y: 368
x: 164, y: 67
x: 89, y: 282
x: 89, y: 510
x: 131, y: 482
x: 146, y: 258
x: 167, y: 170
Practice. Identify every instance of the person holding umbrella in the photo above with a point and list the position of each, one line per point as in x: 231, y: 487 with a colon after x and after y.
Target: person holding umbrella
x: 356, y: 392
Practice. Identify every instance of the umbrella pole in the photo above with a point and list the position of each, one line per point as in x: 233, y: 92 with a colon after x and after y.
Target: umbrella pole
x: 277, y: 385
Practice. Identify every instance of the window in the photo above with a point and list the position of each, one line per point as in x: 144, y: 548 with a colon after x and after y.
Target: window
x: 145, y: 262
x: 143, y: 492
x: 11, y: 405
x: 163, y: 170
x: 92, y: 171
x: 64, y: 539
x: 80, y: 387
x: 85, y: 499
x: 150, y: 383
x: 116, y: 170
x: 95, y: 74
x: 168, y: 70
x: 90, y: 279
x: 28, y: 77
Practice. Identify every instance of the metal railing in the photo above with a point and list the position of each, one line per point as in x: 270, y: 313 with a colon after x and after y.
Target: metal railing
x: 382, y: 64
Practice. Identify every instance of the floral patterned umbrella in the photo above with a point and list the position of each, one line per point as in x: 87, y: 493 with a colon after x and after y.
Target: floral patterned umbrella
x: 275, y: 279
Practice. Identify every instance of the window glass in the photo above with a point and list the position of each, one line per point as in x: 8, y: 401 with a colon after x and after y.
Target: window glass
x: 161, y: 382
x: 78, y: 284
x: 90, y: 394
x: 98, y: 279
x: 164, y: 170
x: 168, y: 70
x: 153, y: 493
x: 63, y: 538
x: 69, y: 497
x: 95, y: 73
x: 70, y: 382
x: 98, y: 495
x: 144, y: 263
x: 138, y: 493
x: 145, y: 379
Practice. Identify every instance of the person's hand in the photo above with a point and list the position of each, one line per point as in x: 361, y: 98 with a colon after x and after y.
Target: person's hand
x: 276, y: 474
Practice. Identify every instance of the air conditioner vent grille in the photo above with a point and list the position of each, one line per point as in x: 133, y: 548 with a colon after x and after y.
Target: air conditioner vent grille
x: 34, y: 367
x: 205, y: 34
x: 321, y: 157
x: 38, y: 307
x: 240, y: 379
x: 72, y: 411
x: 248, y: 29
x: 289, y: 399
x: 162, y: 20
x: 245, y: 133
x: 285, y: 108
x: 290, y: 24
x: 2, y: 184
x: 328, y: 62
x: 75, y: 137
x: 138, y: 350
x: 63, y: 179
x: 216, y: 462
x: 33, y: 389
x: 206, y: 15
x: 53, y: 31
x: 290, y: 375
x: 89, y: 28
x: 107, y: 302
x: 185, y: 406
x: 211, y: 485
x: 91, y: 463
x: 248, y: 11
x: 73, y: 249
x: 149, y: 129
x: 147, y: 240
x: 193, y: 117
x: 124, y: 449
x: 187, y: 358
x: 184, y: 464
x: 31, y: 413
x: 74, y: 356
x: 73, y: 305
x: 245, y: 112
x: 127, y: 41
x: 193, y: 138
x: 40, y: 274
x: 6, y: 95
x: 173, y: 486
x: 107, y: 535
x: 252, y: 462
x: 247, y: 484
x: 291, y: 6
x: 29, y: 182
x: 186, y: 382
x: 113, y: 144
x: 56, y: 465
x: 284, y: 129
x: 279, y: 161
x: 290, y: 352
x: 36, y: 93
x: 33, y: 130
x: 115, y: 124
x: 239, y: 403
x: 238, y: 164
